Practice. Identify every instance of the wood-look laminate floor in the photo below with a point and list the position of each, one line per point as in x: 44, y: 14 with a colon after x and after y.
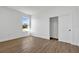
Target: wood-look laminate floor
x: 36, y: 45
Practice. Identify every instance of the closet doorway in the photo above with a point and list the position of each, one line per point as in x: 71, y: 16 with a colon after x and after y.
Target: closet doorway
x: 53, y: 22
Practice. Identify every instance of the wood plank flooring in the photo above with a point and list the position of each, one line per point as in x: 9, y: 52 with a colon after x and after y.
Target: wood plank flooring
x: 36, y: 45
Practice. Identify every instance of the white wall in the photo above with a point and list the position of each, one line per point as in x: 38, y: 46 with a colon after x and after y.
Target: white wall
x: 65, y: 28
x: 54, y: 27
x: 76, y: 26
x: 39, y: 27
x: 40, y: 22
x: 10, y: 24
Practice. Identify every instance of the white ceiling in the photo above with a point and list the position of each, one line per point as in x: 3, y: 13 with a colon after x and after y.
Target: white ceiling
x: 31, y: 10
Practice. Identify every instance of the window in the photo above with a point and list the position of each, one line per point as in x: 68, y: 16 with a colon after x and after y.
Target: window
x: 25, y: 23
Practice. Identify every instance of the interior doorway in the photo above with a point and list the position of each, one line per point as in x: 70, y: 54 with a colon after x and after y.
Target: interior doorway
x: 53, y: 21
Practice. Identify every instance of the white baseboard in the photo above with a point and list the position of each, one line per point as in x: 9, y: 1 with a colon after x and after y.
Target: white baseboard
x: 12, y: 36
x: 41, y: 36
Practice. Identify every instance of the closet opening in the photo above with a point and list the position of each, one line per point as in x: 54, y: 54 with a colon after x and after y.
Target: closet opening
x: 53, y: 22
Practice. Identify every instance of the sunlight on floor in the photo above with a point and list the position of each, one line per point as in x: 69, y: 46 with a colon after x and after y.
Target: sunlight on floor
x: 25, y: 30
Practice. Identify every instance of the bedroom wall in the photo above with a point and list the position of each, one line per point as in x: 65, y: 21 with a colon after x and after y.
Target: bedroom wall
x: 40, y: 22
x: 10, y: 24
x: 75, y: 24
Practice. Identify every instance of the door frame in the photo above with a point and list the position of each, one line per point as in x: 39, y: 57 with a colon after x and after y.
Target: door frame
x: 58, y: 28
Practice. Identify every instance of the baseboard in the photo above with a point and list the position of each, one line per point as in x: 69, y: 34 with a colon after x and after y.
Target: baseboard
x: 75, y: 44
x: 9, y: 39
x: 41, y: 36
x: 72, y: 43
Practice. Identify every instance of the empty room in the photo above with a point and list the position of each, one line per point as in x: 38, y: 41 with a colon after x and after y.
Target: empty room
x: 39, y: 29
